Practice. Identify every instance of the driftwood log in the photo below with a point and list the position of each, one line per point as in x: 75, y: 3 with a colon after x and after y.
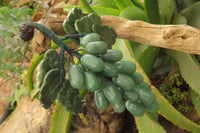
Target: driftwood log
x: 178, y: 37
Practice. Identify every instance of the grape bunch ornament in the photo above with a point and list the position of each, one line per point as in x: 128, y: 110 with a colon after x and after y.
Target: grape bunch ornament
x: 99, y: 68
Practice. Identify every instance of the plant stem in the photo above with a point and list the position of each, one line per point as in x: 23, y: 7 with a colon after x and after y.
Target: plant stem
x: 72, y: 36
x: 62, y: 61
x: 54, y: 37
x: 49, y: 33
x: 59, y: 42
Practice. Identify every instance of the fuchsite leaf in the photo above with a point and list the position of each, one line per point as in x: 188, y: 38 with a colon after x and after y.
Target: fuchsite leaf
x: 68, y: 24
x: 49, y: 61
x: 107, y: 34
x: 69, y: 98
x: 43, y: 68
x: 50, y: 88
x: 72, y: 16
x: 84, y: 24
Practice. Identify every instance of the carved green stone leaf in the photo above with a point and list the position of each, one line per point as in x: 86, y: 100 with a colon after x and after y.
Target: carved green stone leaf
x: 43, y: 68
x: 68, y: 23
x: 69, y: 98
x: 107, y: 34
x: 72, y: 16
x: 84, y: 24
x: 50, y: 88
x: 50, y: 61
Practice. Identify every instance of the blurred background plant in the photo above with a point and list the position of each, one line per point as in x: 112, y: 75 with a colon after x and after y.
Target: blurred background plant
x: 13, y: 51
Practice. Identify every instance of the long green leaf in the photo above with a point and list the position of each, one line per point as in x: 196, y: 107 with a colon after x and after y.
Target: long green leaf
x: 60, y: 120
x: 146, y: 125
x: 107, y: 3
x: 167, y: 9
x: 196, y: 100
x: 99, y: 10
x: 166, y: 109
x: 152, y: 11
x: 35, y: 61
x: 189, y: 68
x: 146, y: 56
x: 134, y: 13
x: 87, y: 6
x: 179, y: 19
x: 121, y: 4
x: 182, y: 4
x: 192, y: 14
x: 139, y: 3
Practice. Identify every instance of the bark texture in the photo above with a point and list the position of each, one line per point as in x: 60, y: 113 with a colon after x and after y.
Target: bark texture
x: 178, y: 37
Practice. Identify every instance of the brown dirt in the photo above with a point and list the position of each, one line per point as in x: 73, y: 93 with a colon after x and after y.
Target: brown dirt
x: 6, y: 90
x: 102, y: 121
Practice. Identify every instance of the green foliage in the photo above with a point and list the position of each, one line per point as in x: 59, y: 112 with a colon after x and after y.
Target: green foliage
x: 59, y: 119
x: 50, y: 61
x: 99, y: 10
x: 152, y: 11
x: 20, y: 90
x: 84, y: 24
x: 166, y: 10
x: 107, y: 34
x: 11, y: 19
x: 69, y: 98
x: 50, y: 88
x: 174, y: 93
x: 121, y: 4
x: 182, y: 4
x: 193, y: 19
x: 139, y: 14
x: 171, y: 114
x: 48, y: 82
x: 196, y: 100
x: 146, y: 124
x: 108, y: 3
x: 68, y: 24
x: 88, y: 24
x: 12, y: 50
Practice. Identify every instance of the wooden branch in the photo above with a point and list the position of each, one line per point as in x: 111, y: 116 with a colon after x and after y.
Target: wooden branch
x: 178, y: 37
